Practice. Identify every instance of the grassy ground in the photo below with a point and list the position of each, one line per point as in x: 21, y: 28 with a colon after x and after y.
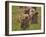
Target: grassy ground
x: 16, y: 25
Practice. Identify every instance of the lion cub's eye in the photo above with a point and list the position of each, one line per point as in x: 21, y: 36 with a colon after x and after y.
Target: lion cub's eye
x: 32, y: 11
